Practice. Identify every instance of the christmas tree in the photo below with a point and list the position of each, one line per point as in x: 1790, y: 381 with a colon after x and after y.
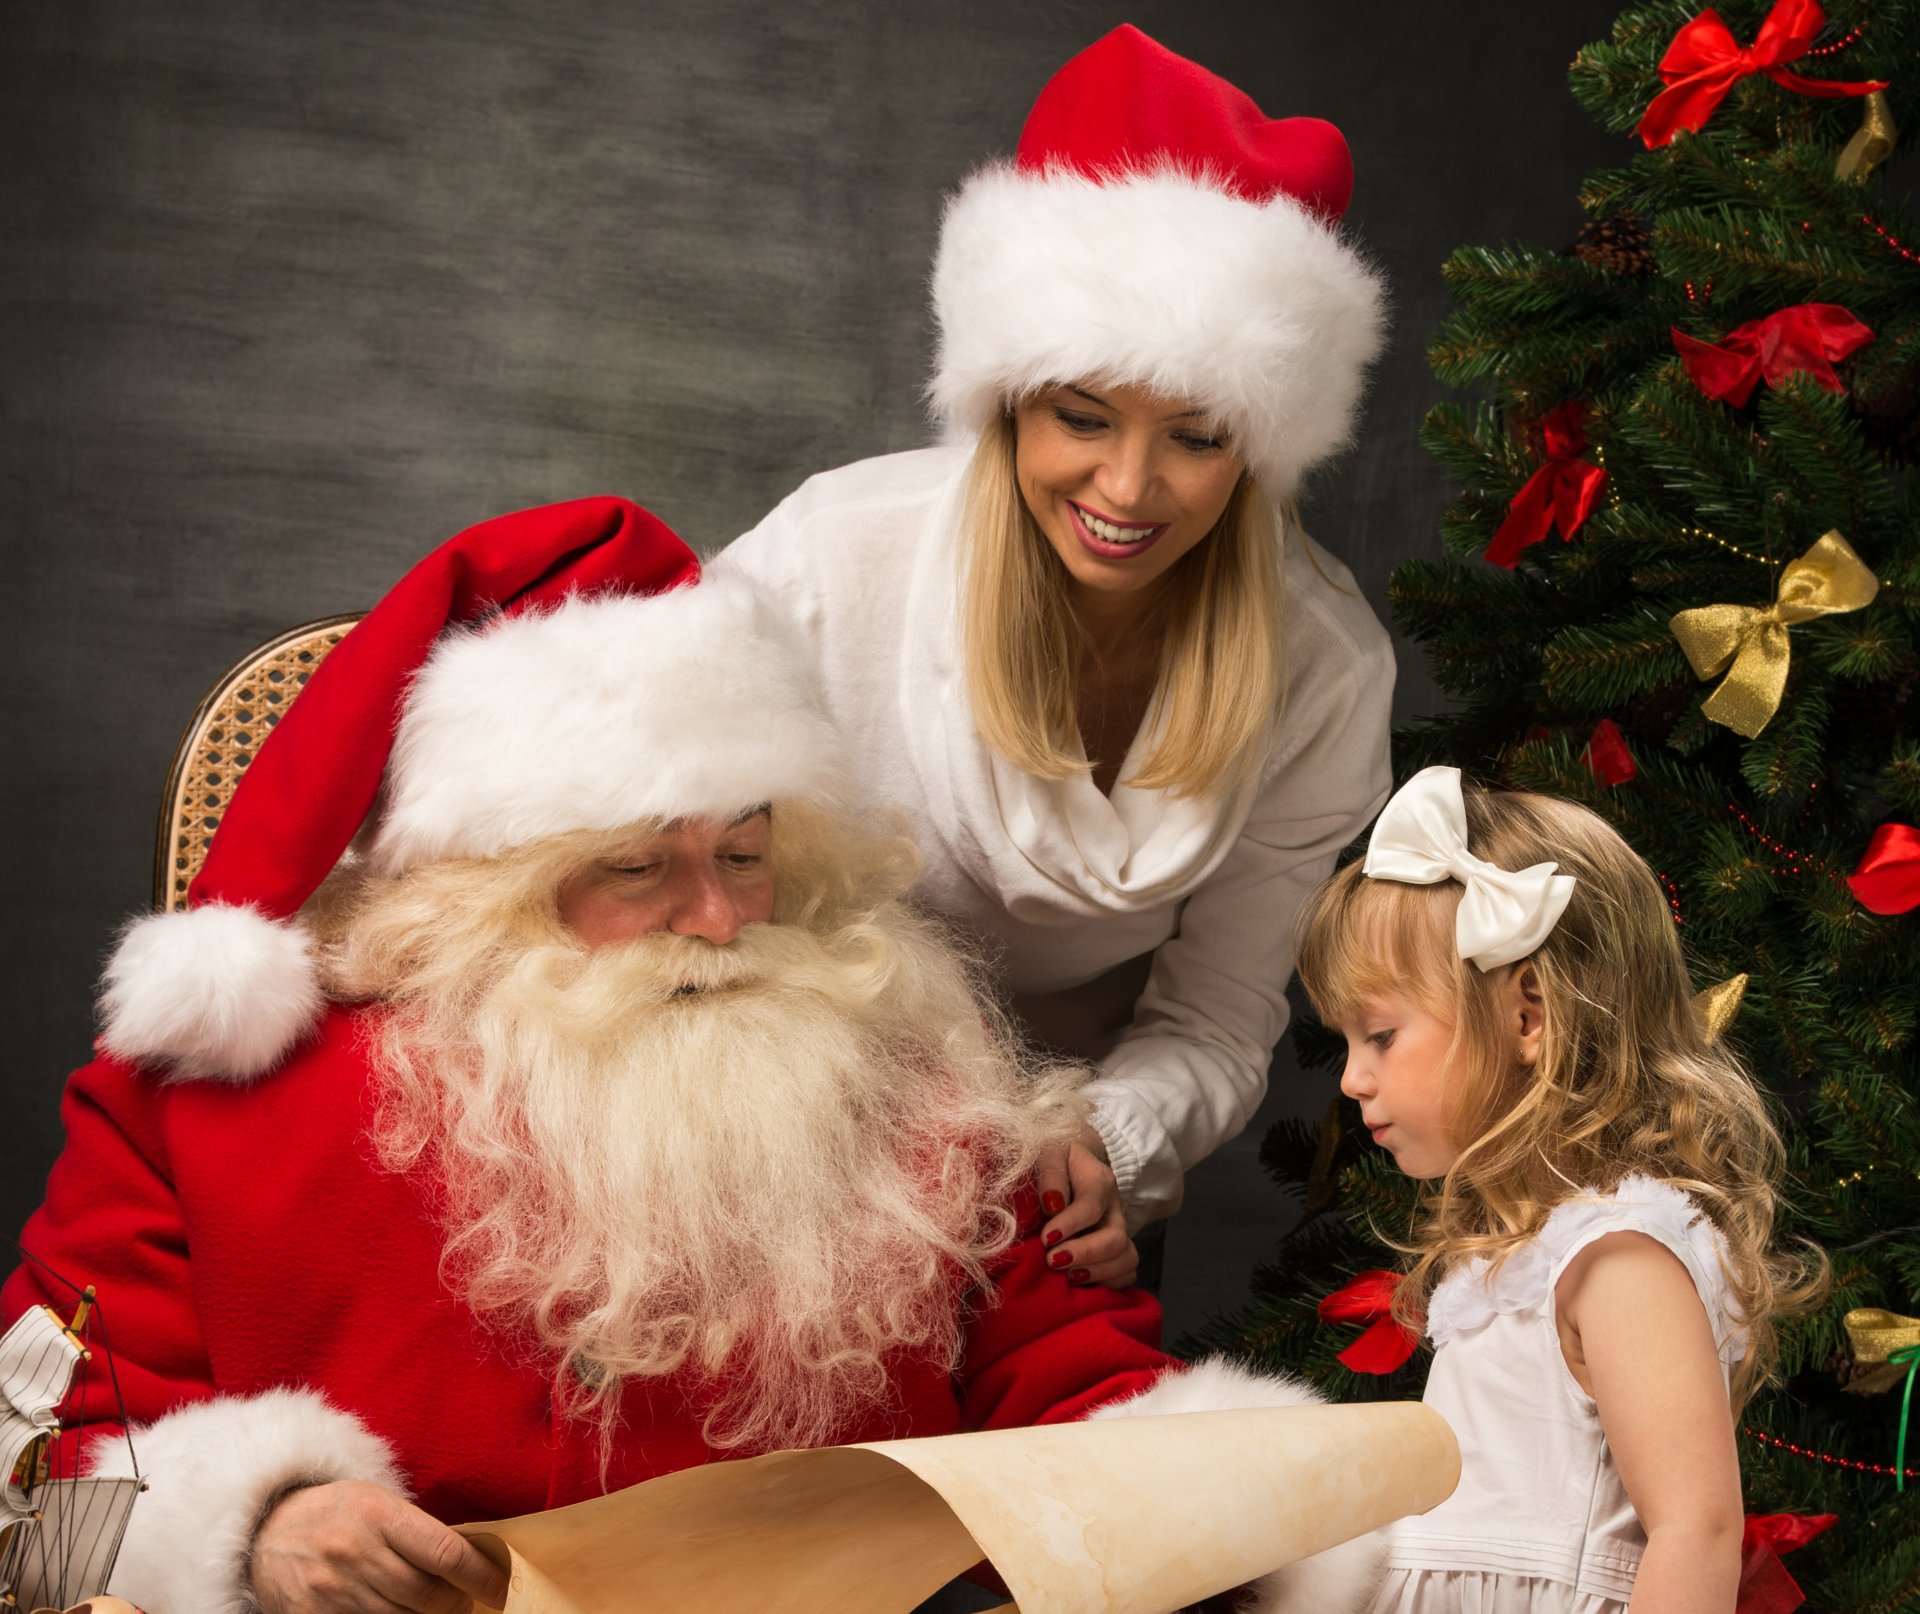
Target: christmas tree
x: 1682, y: 586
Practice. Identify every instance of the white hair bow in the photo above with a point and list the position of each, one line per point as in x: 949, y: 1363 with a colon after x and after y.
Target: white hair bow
x: 1420, y: 838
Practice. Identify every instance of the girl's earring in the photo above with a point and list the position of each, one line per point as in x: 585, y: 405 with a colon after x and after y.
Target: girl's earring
x: 1532, y: 1014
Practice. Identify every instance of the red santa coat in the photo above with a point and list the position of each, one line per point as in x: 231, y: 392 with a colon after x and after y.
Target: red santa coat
x: 274, y: 1306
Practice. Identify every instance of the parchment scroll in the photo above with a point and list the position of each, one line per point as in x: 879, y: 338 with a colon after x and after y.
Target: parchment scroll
x: 1123, y: 1516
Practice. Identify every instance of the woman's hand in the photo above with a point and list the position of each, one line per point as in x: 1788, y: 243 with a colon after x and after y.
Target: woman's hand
x: 356, y: 1548
x: 1086, y: 1234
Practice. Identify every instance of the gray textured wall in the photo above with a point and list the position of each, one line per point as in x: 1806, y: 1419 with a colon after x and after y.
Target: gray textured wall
x: 289, y: 293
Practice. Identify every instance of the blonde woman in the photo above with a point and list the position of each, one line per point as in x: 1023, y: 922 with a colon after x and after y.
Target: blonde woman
x: 1133, y: 711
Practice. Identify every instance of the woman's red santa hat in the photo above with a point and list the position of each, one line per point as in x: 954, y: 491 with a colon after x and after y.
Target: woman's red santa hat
x: 1157, y: 228
x: 558, y: 669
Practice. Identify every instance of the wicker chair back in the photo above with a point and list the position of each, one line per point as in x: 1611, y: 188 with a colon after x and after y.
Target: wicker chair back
x: 219, y: 743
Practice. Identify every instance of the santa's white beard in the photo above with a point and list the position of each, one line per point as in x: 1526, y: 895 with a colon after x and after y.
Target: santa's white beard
x: 768, y: 1166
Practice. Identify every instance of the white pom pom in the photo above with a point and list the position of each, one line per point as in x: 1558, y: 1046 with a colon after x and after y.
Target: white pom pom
x: 217, y: 992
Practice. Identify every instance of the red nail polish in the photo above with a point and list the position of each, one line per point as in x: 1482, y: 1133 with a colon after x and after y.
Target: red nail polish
x: 1054, y: 1236
x: 1059, y: 1258
x: 1053, y: 1203
x: 1077, y: 1275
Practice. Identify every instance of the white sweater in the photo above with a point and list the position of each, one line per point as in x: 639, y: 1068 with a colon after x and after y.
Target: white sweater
x: 1066, y: 884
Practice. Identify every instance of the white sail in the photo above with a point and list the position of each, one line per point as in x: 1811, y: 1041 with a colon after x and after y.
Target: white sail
x: 67, y: 1554
x: 37, y: 1359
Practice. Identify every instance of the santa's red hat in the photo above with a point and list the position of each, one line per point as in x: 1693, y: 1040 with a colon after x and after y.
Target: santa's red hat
x: 555, y: 670
x: 1157, y: 228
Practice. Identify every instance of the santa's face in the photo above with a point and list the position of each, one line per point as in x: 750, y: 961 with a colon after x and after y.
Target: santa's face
x: 704, y: 877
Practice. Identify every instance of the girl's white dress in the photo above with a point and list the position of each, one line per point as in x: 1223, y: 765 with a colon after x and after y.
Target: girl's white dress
x: 1540, y: 1523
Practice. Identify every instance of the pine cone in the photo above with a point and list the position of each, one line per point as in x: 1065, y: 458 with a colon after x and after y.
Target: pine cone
x: 1890, y: 415
x: 1863, y: 1378
x: 1621, y: 243
x: 1651, y: 715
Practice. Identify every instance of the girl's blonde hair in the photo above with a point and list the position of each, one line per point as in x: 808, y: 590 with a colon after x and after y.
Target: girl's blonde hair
x: 1627, y: 1079
x: 1221, y: 671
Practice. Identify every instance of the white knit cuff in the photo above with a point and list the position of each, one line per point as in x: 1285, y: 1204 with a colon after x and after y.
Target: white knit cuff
x: 1145, y: 1166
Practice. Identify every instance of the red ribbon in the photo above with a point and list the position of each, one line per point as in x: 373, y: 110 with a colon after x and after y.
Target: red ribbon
x: 1563, y: 490
x: 1385, y: 1345
x: 1802, y: 339
x: 1888, y: 878
x: 1704, y: 62
x: 1608, y: 756
x: 1765, y: 1585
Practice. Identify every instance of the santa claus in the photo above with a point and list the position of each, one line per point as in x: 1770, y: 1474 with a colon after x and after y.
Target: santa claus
x: 604, y: 1112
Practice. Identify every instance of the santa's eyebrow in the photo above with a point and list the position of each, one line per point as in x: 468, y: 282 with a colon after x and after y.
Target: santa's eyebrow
x: 765, y: 807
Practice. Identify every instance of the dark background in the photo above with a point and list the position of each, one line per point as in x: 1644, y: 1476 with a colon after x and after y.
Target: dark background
x: 290, y: 293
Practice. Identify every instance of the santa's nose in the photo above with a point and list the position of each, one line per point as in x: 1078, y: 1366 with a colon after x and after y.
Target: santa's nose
x: 702, y: 905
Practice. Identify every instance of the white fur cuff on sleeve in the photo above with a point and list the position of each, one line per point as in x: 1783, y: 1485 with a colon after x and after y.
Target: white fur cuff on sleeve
x: 210, y: 1469
x: 1213, y: 1385
x: 1343, y: 1579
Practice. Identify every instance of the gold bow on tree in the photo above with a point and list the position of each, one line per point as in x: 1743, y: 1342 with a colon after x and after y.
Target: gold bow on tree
x: 1887, y: 1345
x: 1872, y: 143
x: 1715, y: 1006
x: 1877, y: 1337
x: 1829, y: 578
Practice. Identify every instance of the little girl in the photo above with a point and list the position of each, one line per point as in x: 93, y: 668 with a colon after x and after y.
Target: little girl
x: 1593, y: 1247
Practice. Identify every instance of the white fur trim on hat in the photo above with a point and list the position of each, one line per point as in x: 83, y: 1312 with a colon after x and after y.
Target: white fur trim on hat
x: 212, y: 991
x: 603, y: 712
x: 1258, y: 312
x: 1341, y: 1579
x: 210, y: 1469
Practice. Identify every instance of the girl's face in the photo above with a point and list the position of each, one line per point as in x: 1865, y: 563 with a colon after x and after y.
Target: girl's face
x: 1122, y: 482
x: 1407, y: 1073
x: 1403, y: 1071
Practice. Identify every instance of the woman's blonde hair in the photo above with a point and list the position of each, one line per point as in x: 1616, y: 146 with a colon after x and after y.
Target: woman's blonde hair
x: 1627, y: 1081
x: 1221, y: 671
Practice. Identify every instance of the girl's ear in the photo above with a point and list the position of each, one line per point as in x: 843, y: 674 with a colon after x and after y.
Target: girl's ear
x: 1526, y: 1013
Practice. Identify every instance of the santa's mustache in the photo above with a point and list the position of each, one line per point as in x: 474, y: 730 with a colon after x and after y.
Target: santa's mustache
x: 623, y: 983
x: 664, y: 967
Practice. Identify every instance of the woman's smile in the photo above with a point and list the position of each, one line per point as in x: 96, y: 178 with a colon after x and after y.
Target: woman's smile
x: 1111, y: 539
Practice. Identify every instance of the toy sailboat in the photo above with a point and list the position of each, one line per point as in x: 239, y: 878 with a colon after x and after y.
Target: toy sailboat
x: 59, y: 1533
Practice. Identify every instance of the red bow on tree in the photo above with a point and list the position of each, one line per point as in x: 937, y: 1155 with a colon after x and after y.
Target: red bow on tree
x: 1386, y: 1344
x: 1888, y: 878
x: 1804, y: 339
x: 1703, y: 63
x: 1563, y: 490
x: 1765, y: 1585
x: 1608, y: 756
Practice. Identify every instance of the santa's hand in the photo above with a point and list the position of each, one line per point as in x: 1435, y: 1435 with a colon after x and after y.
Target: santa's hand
x: 355, y: 1548
x: 1086, y: 1234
